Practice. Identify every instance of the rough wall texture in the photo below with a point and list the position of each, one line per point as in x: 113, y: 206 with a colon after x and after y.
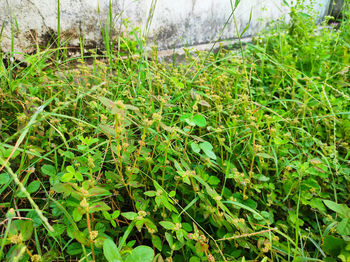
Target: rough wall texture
x: 175, y: 23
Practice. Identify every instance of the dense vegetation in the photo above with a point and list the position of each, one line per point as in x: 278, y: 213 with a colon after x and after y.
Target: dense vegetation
x: 233, y: 156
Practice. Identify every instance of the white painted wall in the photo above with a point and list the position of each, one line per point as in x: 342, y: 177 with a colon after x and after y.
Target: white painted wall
x: 175, y: 22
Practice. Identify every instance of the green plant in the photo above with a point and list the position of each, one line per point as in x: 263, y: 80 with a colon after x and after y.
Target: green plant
x: 217, y: 158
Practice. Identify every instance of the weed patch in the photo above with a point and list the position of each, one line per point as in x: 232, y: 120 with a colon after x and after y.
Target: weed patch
x: 216, y: 159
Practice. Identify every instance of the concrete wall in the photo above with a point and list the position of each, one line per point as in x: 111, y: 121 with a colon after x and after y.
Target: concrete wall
x: 175, y: 23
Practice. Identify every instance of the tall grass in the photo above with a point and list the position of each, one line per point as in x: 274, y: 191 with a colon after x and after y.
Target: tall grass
x: 226, y: 157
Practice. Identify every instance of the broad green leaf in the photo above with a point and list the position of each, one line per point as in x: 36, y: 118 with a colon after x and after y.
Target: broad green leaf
x: 157, y: 242
x: 67, y: 177
x: 190, y: 122
x: 81, y: 238
x: 78, y: 176
x: 59, y: 230
x: 186, y: 180
x: 213, y: 180
x: 177, y: 166
x: 317, y: 203
x: 185, y: 116
x: 178, y: 245
x: 141, y: 254
x: 195, y: 259
x: 180, y: 235
x: 76, y: 215
x: 70, y: 169
x: 341, y: 209
x: 343, y: 227
x: 166, y: 203
x: 208, y: 149
x: 263, y: 178
x: 48, y: 170
x: 139, y: 224
x: 99, y: 206
x: 129, y: 215
x: 65, y: 188
x: 98, y: 191
x: 186, y: 226
x: 210, y: 154
x: 107, y: 215
x: 110, y: 251
x: 74, y: 249
x: 115, y: 214
x: 199, y: 120
x: 33, y: 187
x: 167, y: 225
x: 206, y: 146
x: 26, y: 229
x: 68, y: 154
x: 169, y: 238
x: 4, y: 178
x: 150, y: 225
x: 333, y: 245
x: 195, y: 147
x: 150, y: 193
